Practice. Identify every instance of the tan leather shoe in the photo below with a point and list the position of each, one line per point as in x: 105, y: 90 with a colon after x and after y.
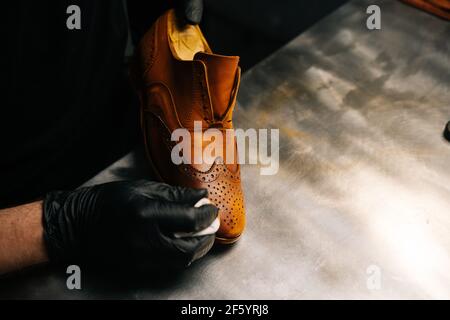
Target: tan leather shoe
x: 181, y: 81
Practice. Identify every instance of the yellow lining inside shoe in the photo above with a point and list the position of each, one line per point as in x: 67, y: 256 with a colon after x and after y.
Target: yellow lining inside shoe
x: 185, y: 41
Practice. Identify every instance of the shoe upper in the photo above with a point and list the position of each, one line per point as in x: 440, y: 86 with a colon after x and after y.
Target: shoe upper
x: 174, y: 94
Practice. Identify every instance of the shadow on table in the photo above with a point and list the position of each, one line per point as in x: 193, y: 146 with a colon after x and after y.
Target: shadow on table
x: 49, y: 282
x: 156, y: 282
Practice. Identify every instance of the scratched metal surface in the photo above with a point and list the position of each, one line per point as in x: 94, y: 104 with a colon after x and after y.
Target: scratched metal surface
x: 364, y: 180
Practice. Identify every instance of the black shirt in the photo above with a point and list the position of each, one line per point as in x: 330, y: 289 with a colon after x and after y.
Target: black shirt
x: 67, y: 109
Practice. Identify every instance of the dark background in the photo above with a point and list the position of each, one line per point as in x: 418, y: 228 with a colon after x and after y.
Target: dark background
x: 253, y: 29
x: 65, y: 114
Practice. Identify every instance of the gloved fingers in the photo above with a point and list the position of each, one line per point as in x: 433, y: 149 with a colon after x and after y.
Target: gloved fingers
x: 189, y: 11
x: 204, y: 246
x: 162, y: 191
x: 192, y: 249
x: 188, y: 196
x: 175, y: 217
x: 205, y: 216
x: 176, y: 253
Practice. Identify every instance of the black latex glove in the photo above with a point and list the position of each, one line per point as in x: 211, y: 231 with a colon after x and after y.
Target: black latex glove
x: 447, y: 131
x: 128, y: 223
x: 191, y: 11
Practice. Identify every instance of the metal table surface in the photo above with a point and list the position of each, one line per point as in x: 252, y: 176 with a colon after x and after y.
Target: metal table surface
x: 361, y: 205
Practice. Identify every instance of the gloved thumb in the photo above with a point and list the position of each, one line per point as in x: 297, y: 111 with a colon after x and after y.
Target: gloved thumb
x: 191, y: 11
x: 176, y: 217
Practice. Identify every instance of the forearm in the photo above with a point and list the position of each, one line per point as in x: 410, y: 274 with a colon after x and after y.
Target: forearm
x: 21, y: 237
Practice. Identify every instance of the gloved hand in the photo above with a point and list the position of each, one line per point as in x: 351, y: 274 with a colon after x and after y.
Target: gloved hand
x: 127, y: 223
x: 191, y: 11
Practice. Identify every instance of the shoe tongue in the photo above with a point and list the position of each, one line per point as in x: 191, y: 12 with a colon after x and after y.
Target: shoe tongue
x: 221, y: 72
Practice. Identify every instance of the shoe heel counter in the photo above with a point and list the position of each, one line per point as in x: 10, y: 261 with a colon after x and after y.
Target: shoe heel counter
x: 145, y: 55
